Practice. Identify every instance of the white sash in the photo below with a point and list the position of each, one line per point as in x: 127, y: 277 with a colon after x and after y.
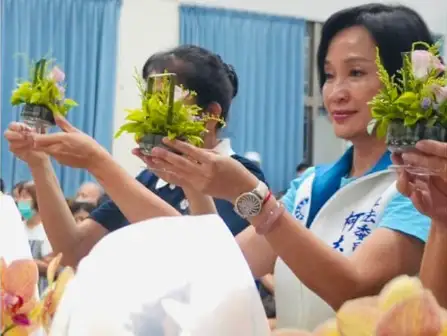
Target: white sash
x: 348, y: 218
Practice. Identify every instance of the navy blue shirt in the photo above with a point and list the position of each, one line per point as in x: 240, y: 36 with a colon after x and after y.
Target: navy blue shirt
x: 109, y: 215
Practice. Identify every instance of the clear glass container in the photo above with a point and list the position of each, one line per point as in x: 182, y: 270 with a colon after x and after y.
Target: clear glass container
x: 401, y: 139
x: 40, y: 118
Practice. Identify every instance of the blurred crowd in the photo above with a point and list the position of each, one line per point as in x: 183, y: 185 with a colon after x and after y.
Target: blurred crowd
x: 89, y: 196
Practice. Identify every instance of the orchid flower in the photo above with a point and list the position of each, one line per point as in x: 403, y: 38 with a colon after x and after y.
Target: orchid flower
x: 417, y: 315
x: 403, y: 307
x: 18, y: 282
x: 53, y: 294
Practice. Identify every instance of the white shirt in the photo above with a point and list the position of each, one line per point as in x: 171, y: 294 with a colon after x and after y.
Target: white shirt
x: 13, y: 239
x: 37, y: 233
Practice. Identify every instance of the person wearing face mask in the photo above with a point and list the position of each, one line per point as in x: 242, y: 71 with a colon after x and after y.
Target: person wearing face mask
x: 16, y: 190
x: 40, y: 246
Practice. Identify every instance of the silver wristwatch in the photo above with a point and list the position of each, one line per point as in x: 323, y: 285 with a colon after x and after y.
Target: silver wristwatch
x: 250, y: 204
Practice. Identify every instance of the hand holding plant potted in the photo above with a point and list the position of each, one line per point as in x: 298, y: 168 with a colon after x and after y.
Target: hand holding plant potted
x: 43, y: 96
x: 412, y: 106
x: 167, y: 110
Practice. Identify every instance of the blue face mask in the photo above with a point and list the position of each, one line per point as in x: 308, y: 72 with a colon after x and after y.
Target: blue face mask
x: 26, y: 210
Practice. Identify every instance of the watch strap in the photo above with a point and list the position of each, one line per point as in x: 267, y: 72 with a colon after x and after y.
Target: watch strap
x: 262, y: 191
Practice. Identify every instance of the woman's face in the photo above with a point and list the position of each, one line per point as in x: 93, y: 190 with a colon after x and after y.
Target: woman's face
x: 351, y: 81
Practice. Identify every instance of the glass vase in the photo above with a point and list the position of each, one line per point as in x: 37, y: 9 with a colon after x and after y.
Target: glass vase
x: 149, y: 141
x: 39, y: 117
x: 401, y: 139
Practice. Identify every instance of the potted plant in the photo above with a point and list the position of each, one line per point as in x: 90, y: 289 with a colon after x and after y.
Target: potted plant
x: 43, y: 96
x: 412, y: 106
x: 167, y: 109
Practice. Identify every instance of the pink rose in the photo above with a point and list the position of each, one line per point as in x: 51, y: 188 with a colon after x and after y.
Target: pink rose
x: 422, y: 62
x: 437, y: 65
x: 57, y: 74
x: 440, y: 93
x: 180, y: 93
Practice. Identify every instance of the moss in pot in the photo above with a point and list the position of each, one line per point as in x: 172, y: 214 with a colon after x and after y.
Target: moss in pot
x: 411, y: 106
x: 43, y: 96
x: 167, y: 110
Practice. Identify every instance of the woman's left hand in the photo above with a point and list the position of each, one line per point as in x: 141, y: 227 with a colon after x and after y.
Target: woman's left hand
x: 431, y: 155
x: 207, y: 172
x: 428, y: 193
x: 71, y: 147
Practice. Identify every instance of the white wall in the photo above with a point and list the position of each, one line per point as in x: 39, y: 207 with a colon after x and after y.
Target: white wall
x: 148, y: 26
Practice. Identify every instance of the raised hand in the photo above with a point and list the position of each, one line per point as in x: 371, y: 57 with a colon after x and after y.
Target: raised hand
x: 71, y: 147
x: 431, y: 155
x: 21, y: 144
x: 428, y: 193
x: 204, y: 170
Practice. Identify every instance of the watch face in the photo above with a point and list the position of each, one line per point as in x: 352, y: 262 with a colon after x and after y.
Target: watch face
x: 248, y: 205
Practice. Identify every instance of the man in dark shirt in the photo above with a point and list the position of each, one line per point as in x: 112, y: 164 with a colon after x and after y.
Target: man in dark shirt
x: 110, y: 217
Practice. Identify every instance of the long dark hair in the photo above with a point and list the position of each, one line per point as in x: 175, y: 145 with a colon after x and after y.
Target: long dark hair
x: 393, y: 28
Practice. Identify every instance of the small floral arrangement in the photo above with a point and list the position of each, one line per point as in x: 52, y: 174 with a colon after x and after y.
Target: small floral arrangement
x: 416, y: 97
x: 45, y: 89
x: 403, y: 307
x: 21, y: 312
x: 167, y: 109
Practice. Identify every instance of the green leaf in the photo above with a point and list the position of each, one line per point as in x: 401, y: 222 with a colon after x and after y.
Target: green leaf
x: 411, y: 121
x: 400, y: 97
x: 42, y: 90
x: 406, y: 99
x: 70, y: 102
x: 137, y: 116
x: 382, y: 128
x: 188, y: 120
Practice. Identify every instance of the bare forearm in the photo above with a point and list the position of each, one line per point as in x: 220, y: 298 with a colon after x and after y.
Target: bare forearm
x: 200, y: 204
x: 434, y: 263
x: 135, y: 201
x: 57, y: 219
x: 295, y: 244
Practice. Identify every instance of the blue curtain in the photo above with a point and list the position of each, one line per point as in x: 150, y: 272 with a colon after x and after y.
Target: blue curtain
x: 82, y: 36
x: 268, y: 53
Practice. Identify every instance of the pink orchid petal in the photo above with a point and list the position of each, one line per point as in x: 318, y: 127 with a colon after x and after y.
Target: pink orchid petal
x: 21, y: 319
